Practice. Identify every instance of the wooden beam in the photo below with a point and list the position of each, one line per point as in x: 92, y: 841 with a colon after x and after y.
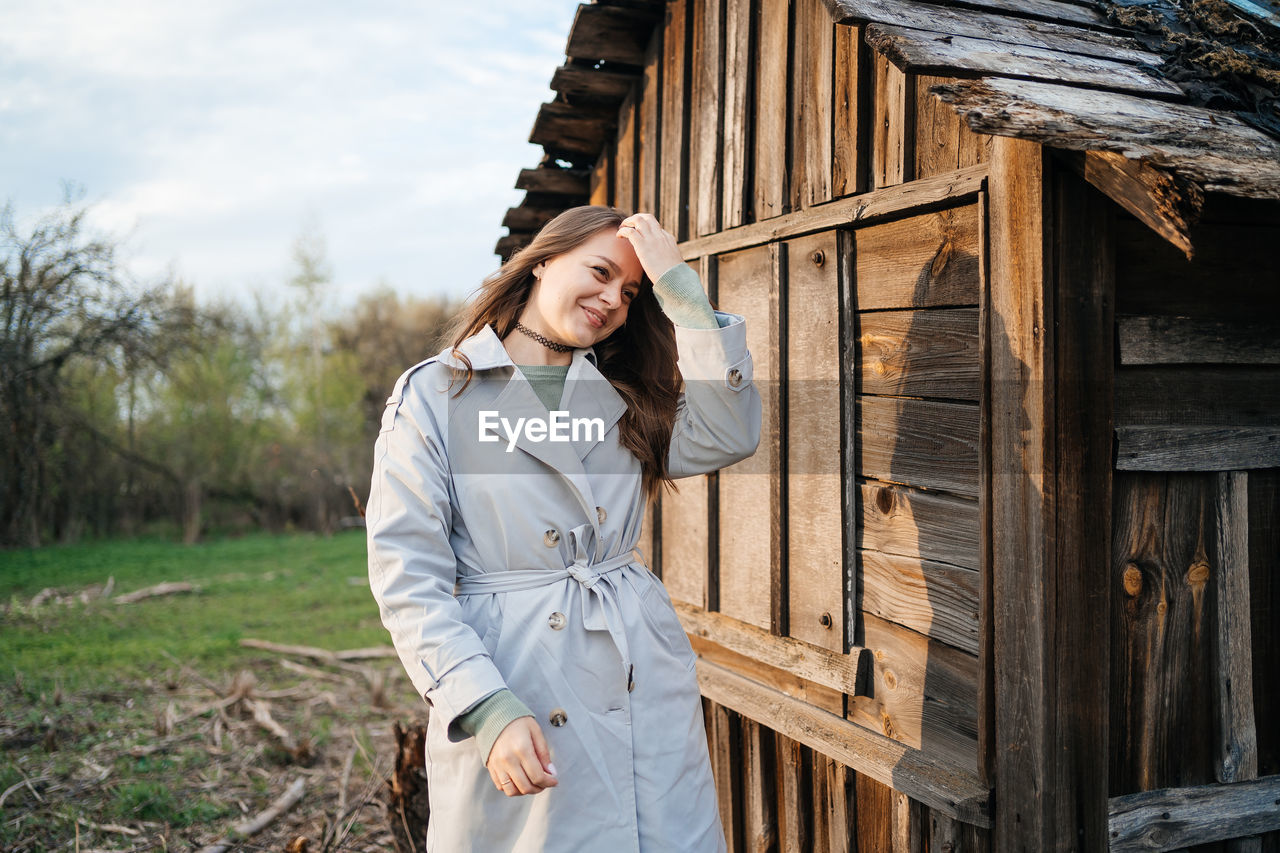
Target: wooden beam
x: 569, y: 182
x: 594, y: 86
x: 1051, y: 35
x: 1051, y: 352
x: 1238, y: 741
x: 1190, y: 340
x: 921, y: 776
x: 611, y: 33
x: 560, y: 127
x: 846, y: 673
x: 510, y: 244
x: 945, y: 54
x: 1198, y: 396
x: 1168, y: 204
x: 1210, y: 147
x: 1197, y: 448
x: 1174, y: 818
x: 886, y: 203
x: 528, y: 218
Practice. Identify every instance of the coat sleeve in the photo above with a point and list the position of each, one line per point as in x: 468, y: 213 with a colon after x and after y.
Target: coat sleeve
x: 718, y: 413
x: 412, y: 568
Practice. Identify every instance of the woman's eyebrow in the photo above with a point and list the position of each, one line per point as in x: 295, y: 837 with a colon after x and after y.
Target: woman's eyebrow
x: 614, y: 268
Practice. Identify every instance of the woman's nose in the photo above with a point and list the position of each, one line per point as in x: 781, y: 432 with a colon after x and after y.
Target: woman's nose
x: 612, y: 294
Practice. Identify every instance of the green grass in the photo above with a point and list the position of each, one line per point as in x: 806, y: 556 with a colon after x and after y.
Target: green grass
x: 287, y: 589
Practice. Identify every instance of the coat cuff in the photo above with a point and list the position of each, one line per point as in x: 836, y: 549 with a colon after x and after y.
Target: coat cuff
x: 458, y: 690
x: 716, y: 354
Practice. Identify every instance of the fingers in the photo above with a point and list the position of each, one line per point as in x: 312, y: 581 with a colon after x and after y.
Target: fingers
x: 519, y: 758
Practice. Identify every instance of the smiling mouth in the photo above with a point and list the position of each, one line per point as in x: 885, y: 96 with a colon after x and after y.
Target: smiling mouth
x: 595, y: 318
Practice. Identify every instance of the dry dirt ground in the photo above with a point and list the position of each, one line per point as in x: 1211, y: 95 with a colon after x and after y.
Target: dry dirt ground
x: 178, y: 762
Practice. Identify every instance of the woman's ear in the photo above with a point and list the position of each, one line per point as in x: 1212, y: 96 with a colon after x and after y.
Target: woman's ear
x: 538, y: 268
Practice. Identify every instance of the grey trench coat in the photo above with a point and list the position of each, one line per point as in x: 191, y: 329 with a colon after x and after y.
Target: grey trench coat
x: 500, y: 562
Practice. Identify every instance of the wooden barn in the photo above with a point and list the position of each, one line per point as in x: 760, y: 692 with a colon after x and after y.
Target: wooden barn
x: 1004, y: 573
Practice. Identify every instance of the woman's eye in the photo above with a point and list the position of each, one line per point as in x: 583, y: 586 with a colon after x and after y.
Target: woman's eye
x: 629, y: 294
x: 604, y: 273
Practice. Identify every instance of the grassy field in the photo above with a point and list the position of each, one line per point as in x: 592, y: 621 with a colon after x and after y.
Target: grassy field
x: 138, y: 726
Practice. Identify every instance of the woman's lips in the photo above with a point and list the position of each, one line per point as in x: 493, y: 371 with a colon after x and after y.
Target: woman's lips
x: 595, y: 318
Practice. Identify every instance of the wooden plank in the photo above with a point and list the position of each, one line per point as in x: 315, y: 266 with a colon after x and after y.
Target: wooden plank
x: 1182, y: 817
x: 563, y: 128
x: 674, y: 175
x: 935, y: 784
x: 1052, y: 35
x: 624, y: 160
x: 1192, y: 340
x: 610, y: 33
x: 925, y: 525
x: 1077, y: 616
x: 1051, y: 11
x: 875, y: 814
x: 1207, y: 146
x: 842, y: 806
x: 930, y: 353
x: 759, y: 798
x: 685, y: 565
x: 1197, y: 396
x: 849, y: 493
x: 921, y: 52
x: 738, y: 63
x: 724, y: 759
x: 892, y: 124
x: 528, y: 218
x: 793, y: 806
x: 544, y: 179
x: 1162, y: 630
x: 584, y: 84
x: 810, y: 692
x: 812, y: 55
x: 986, y: 608
x: 922, y: 693
x: 1196, y: 448
x: 770, y: 190
x: 935, y: 599
x: 849, y: 103
x: 751, y: 560
x: 649, y: 158
x: 815, y: 538
x: 908, y: 825
x: 705, y: 117
x: 1237, y: 735
x: 919, y: 443
x: 821, y: 802
x: 845, y: 673
x: 1264, y: 599
x: 1168, y: 204
x: 1234, y: 262
x: 507, y: 246
x: 923, y: 261
x: 877, y: 205
x: 943, y: 142
x: 602, y: 179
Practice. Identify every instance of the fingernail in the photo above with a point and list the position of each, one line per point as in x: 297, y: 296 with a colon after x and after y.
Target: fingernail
x: 551, y: 768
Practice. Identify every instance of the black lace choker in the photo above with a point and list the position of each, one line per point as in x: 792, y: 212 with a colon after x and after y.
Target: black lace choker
x: 545, y: 341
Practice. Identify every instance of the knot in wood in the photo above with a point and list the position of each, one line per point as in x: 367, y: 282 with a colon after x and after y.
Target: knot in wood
x: 886, y: 725
x: 1198, y: 573
x: 890, y: 680
x: 884, y: 501
x: 1132, y: 579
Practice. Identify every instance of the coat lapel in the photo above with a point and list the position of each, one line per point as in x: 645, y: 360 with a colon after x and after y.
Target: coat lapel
x: 587, y: 394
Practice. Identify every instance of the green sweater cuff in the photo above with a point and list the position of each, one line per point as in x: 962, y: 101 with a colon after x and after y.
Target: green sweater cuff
x: 680, y: 295
x: 490, y: 716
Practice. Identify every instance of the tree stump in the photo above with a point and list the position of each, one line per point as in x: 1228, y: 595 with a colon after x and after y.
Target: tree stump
x: 407, y: 806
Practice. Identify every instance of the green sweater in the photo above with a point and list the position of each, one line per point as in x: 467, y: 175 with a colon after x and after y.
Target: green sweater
x: 679, y: 294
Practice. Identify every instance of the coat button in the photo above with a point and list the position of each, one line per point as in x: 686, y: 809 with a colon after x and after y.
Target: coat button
x: 556, y: 620
x: 551, y: 537
x: 735, y: 377
x: 558, y: 717
x: 601, y: 515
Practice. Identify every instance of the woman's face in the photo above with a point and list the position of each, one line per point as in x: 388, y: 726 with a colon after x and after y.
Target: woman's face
x: 581, y: 297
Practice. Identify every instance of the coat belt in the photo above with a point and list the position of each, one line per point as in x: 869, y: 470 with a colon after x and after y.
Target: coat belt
x: 598, y: 594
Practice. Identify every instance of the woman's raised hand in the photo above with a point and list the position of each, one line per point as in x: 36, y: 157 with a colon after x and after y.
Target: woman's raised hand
x: 654, y: 246
x: 520, y: 760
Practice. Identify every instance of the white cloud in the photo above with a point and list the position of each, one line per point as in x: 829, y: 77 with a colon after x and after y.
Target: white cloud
x: 211, y: 130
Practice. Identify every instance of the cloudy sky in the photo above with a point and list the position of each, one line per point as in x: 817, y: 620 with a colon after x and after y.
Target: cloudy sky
x: 213, y: 134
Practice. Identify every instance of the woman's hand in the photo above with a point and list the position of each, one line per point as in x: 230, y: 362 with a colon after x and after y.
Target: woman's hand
x: 654, y: 246
x: 520, y: 760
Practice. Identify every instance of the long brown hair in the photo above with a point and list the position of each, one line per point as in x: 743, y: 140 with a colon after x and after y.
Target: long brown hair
x: 638, y: 359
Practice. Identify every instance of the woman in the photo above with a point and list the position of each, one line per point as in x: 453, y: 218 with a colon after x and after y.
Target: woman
x: 565, y: 707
